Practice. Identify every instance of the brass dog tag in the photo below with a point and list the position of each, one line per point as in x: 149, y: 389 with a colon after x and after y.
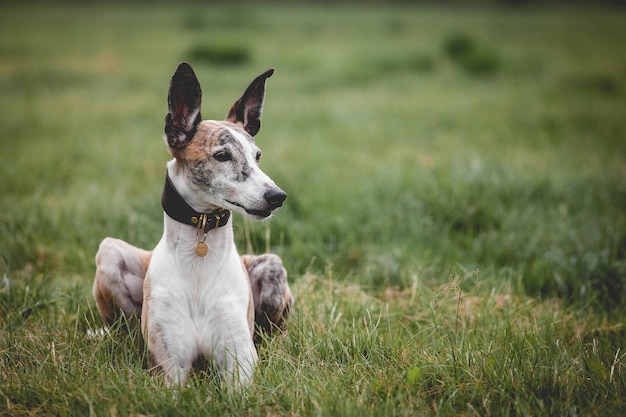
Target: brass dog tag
x: 201, y: 249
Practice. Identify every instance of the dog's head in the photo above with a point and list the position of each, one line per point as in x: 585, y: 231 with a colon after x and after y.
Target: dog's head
x: 218, y: 160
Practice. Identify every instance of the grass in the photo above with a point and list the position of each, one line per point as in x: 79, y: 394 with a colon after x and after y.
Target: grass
x: 455, y: 231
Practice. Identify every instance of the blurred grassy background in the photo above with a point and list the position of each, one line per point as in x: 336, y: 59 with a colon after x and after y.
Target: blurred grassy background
x: 455, y: 231
x: 415, y: 142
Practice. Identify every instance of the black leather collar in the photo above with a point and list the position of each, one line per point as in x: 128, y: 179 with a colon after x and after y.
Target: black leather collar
x: 178, y: 209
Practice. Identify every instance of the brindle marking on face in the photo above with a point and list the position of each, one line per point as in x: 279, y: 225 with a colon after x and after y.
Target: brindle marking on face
x: 237, y: 151
x: 198, y: 157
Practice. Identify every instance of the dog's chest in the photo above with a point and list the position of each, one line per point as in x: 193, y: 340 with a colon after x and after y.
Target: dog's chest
x: 199, y: 289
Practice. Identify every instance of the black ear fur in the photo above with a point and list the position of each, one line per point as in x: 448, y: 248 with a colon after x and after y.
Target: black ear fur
x: 183, y: 101
x: 248, y: 108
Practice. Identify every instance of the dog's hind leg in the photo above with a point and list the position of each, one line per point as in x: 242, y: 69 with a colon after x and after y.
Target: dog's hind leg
x: 270, y: 290
x: 118, y: 285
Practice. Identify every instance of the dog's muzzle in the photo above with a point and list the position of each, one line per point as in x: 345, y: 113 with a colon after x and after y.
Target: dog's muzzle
x: 274, y: 198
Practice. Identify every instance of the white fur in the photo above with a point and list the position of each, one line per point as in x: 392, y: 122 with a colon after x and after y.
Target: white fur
x: 202, y: 301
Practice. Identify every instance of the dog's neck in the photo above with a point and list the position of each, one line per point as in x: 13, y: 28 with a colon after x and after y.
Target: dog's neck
x: 192, y: 234
x: 178, y: 209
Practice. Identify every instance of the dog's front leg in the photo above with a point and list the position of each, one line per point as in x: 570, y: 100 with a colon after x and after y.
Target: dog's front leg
x: 169, y: 335
x: 236, y: 360
x: 172, y: 351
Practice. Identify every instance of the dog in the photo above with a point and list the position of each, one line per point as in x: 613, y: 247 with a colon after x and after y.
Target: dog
x: 195, y: 298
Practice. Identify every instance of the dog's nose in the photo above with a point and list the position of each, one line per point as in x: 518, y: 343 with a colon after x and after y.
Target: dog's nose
x: 275, y: 197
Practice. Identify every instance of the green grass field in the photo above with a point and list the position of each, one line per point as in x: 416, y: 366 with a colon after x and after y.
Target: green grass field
x: 455, y: 231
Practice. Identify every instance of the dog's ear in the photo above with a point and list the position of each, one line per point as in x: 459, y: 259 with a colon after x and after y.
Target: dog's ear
x: 248, y: 108
x: 183, y: 102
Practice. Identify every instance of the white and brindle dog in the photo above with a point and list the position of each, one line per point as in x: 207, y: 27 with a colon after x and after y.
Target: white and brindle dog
x: 197, y: 299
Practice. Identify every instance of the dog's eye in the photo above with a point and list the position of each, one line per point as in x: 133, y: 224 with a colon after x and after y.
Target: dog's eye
x: 222, y: 156
x: 258, y: 156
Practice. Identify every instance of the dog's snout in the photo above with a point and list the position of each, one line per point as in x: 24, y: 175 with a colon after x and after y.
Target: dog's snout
x: 275, y: 197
